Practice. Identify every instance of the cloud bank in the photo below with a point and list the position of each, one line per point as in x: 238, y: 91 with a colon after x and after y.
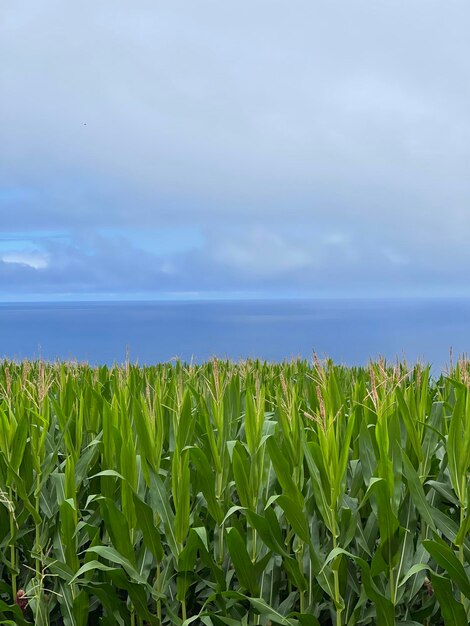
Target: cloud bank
x: 249, y: 148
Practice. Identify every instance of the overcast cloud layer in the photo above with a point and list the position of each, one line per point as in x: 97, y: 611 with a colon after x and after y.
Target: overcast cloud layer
x: 152, y: 149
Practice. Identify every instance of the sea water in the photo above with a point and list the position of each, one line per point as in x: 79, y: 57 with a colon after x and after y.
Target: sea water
x: 349, y: 331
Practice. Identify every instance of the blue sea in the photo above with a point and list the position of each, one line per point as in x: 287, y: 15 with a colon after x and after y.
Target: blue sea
x: 349, y: 331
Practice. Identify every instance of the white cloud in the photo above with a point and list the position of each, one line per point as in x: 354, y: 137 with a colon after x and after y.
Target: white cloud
x: 35, y: 260
x: 264, y: 254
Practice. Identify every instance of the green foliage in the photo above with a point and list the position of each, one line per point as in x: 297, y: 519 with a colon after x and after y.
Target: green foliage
x: 234, y: 493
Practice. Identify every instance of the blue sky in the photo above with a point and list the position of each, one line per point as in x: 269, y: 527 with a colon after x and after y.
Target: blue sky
x: 234, y: 149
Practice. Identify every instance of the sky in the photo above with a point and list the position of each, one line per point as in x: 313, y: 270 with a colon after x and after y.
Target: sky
x: 207, y: 149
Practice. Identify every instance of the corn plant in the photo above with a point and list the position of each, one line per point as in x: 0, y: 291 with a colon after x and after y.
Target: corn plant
x: 295, y: 493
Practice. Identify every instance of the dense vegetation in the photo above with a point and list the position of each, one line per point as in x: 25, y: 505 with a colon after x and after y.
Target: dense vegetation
x: 227, y: 493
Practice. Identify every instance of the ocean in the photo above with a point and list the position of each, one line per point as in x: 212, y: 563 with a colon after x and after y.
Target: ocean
x: 349, y: 331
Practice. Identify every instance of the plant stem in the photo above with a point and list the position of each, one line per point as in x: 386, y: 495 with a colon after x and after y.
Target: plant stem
x: 336, y: 584
x: 221, y: 545
x: 12, y: 547
x: 253, y: 558
x: 159, y: 602
x: 300, y: 560
x: 310, y: 580
x: 38, y: 536
x: 338, y: 610
x: 393, y: 591
x: 463, y: 598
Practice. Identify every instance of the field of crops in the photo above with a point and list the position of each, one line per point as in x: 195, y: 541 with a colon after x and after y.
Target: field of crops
x: 234, y: 493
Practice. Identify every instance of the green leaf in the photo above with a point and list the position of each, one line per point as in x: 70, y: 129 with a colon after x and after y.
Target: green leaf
x: 415, y: 569
x: 452, y: 611
x: 186, y: 564
x: 16, y: 611
x: 117, y: 526
x: 244, y: 568
x: 446, y: 558
x: 295, y: 516
x: 137, y: 595
x: 464, y: 530
x: 261, y: 607
x: 384, y: 607
x: 283, y: 470
x: 160, y: 504
x: 111, y: 554
x: 80, y: 608
x: 241, y: 465
x: 445, y: 490
x: 268, y: 529
x: 295, y: 574
x: 206, y: 480
x: 108, y: 472
x: 311, y: 451
x: 90, y: 566
x: 181, y: 495
x: 417, y: 492
x: 146, y: 523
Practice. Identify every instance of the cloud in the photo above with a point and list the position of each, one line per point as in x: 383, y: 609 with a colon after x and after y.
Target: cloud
x: 35, y: 260
x: 261, y: 253
x: 220, y: 146
x: 262, y: 262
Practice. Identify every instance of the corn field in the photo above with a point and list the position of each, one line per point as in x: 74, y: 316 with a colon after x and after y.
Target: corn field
x: 234, y: 493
